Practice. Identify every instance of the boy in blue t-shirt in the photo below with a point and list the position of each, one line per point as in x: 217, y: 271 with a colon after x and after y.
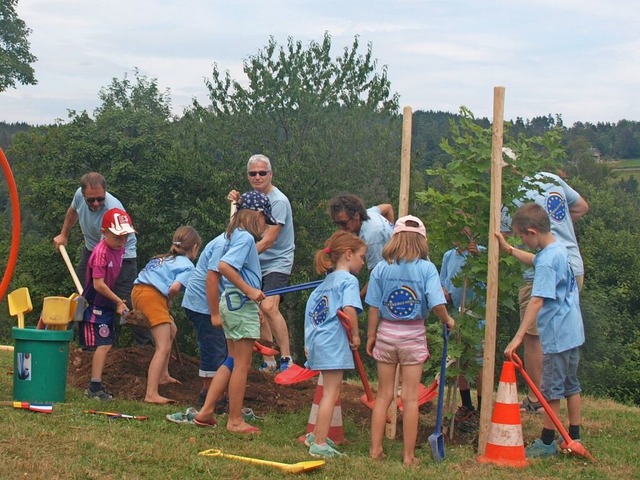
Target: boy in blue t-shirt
x: 555, y: 304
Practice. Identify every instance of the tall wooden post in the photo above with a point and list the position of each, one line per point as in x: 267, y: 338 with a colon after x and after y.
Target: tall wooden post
x: 492, y: 277
x: 403, y: 209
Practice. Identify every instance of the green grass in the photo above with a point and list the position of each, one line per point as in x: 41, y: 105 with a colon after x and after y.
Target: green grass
x: 69, y: 444
x: 630, y: 163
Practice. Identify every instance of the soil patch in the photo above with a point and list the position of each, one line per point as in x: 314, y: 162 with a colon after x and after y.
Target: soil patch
x: 126, y: 374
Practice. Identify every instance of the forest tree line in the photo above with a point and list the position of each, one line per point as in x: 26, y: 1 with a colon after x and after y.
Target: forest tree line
x: 329, y: 125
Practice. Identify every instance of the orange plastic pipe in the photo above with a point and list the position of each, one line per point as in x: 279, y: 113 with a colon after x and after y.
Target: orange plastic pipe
x: 15, y: 230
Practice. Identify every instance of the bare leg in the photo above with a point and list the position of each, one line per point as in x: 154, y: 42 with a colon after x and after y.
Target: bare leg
x: 270, y: 308
x: 217, y: 388
x: 165, y: 377
x: 533, y: 361
x: 411, y: 375
x: 98, y: 361
x: 574, y: 407
x: 386, y: 382
x: 546, y: 420
x: 162, y: 338
x: 242, y: 350
x: 332, y: 385
x: 266, y: 334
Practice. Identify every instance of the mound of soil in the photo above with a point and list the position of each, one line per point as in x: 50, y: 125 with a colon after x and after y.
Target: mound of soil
x: 125, y: 375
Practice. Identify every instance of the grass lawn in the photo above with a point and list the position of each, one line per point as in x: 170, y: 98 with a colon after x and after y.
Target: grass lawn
x: 69, y: 444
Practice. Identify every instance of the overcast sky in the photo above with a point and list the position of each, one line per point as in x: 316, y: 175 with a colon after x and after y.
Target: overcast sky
x: 577, y: 58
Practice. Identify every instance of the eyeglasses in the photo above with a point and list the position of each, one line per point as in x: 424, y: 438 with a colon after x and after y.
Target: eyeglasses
x: 91, y: 200
x: 262, y: 173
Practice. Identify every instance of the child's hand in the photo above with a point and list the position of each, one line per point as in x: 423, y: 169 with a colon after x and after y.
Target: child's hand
x: 233, y: 196
x: 451, y: 323
x: 216, y: 321
x: 512, y: 347
x: 504, y: 245
x: 121, y: 308
x: 355, y: 342
x: 371, y: 342
x: 256, y: 295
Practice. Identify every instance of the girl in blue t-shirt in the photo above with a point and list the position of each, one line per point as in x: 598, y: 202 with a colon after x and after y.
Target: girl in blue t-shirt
x: 402, y: 290
x: 157, y: 284
x: 237, y: 273
x: 326, y: 343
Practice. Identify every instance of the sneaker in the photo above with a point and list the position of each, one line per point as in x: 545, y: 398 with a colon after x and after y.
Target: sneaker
x: 531, y: 407
x: 268, y: 367
x: 467, y: 419
x: 538, y: 449
x: 285, y: 362
x: 183, y: 417
x: 310, y: 438
x: 324, y: 451
x: 101, y: 394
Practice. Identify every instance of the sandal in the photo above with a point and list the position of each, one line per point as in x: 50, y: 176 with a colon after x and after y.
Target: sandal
x: 530, y: 407
x: 205, y: 423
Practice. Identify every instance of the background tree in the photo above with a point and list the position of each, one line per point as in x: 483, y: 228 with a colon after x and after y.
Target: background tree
x: 15, y: 57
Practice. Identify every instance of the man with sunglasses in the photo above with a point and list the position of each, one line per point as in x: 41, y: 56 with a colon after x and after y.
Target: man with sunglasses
x: 89, y: 204
x: 276, y: 250
x: 373, y: 225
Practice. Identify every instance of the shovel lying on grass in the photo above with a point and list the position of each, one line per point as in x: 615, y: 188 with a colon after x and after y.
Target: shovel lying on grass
x: 570, y: 445
x: 436, y: 439
x: 368, y: 399
x: 34, y: 407
x: 114, y: 415
x: 285, y: 467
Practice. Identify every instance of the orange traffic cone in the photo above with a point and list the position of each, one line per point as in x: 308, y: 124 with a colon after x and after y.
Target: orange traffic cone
x: 505, y: 445
x: 336, y: 432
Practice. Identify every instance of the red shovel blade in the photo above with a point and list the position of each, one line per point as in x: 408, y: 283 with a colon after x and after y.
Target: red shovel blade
x: 425, y: 394
x: 263, y: 349
x: 294, y: 374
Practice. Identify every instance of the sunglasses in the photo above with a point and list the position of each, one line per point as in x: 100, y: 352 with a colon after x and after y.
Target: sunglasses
x: 262, y: 173
x: 91, y: 200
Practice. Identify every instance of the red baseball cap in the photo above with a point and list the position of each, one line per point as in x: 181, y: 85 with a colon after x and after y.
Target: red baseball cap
x: 117, y: 221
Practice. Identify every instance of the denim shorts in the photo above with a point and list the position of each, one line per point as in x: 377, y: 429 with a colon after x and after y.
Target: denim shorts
x: 401, y: 342
x: 240, y: 324
x: 560, y: 374
x: 212, y: 346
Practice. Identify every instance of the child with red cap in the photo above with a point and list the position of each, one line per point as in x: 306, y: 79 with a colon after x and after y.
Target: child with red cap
x: 105, y: 262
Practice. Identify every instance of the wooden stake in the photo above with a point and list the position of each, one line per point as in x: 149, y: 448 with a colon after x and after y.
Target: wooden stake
x: 403, y: 209
x: 492, y: 277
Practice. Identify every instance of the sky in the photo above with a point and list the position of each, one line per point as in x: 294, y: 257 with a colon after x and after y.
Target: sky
x: 576, y: 58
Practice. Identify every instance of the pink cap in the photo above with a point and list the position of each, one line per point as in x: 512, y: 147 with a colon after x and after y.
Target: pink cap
x: 117, y: 221
x: 401, y: 226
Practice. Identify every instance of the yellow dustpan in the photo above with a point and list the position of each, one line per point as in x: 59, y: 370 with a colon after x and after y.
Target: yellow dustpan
x: 19, y: 303
x: 285, y: 467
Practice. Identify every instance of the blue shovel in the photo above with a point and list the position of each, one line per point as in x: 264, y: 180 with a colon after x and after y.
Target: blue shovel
x: 276, y: 291
x: 436, y: 439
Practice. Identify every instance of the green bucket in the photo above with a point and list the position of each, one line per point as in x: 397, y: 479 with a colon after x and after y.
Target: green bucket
x: 40, y: 364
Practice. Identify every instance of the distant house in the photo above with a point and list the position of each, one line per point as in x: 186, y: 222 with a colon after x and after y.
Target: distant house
x: 596, y: 155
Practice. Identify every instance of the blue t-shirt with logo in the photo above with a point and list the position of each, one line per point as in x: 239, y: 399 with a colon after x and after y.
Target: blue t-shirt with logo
x: 324, y: 336
x: 375, y: 233
x: 403, y: 291
x: 195, y: 295
x: 162, y: 272
x: 559, y: 320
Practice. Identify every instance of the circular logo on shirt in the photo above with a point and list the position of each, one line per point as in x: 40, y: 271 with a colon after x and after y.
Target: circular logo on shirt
x: 103, y: 330
x: 556, y: 207
x: 320, y: 311
x: 401, y: 302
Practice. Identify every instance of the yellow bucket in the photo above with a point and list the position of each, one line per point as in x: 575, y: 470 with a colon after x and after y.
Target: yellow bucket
x: 57, y: 312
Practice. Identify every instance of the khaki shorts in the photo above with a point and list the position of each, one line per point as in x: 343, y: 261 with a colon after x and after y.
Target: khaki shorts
x: 524, y: 295
x: 240, y: 324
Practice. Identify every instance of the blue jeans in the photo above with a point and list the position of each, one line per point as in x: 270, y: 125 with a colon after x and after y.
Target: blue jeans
x: 211, y: 343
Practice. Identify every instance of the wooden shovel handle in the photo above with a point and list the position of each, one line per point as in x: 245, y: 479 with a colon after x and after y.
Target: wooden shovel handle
x: 67, y: 261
